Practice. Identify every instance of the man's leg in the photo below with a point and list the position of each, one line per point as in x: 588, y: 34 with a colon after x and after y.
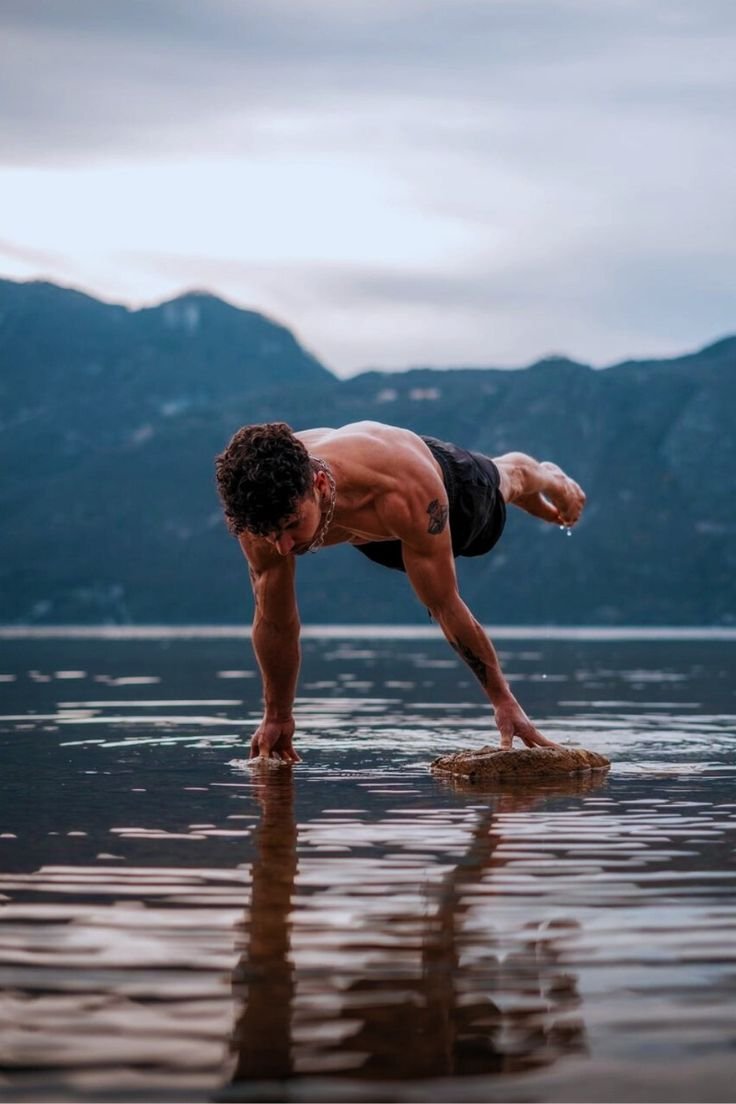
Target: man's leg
x: 540, y: 488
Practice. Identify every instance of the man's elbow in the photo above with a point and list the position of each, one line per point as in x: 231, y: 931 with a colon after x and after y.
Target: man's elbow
x: 449, y: 612
x: 446, y: 609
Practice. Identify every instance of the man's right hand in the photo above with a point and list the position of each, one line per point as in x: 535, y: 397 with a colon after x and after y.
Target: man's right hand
x: 274, y: 740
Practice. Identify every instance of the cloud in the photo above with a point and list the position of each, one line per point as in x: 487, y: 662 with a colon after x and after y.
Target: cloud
x: 32, y: 258
x: 84, y: 79
x: 431, y: 180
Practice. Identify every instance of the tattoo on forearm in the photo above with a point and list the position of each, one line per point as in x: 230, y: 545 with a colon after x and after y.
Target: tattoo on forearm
x: 437, y: 516
x: 474, y: 662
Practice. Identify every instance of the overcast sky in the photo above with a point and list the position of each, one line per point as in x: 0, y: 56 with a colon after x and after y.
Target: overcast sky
x: 400, y: 181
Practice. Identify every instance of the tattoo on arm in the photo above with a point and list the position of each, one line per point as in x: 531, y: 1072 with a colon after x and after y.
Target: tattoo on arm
x: 474, y: 662
x: 437, y: 516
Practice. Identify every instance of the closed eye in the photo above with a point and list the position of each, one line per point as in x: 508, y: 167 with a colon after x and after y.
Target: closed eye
x: 285, y: 528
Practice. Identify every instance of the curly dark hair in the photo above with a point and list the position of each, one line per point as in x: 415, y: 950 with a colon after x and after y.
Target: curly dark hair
x: 261, y: 476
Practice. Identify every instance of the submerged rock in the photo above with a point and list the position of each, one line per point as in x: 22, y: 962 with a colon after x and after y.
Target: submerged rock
x: 269, y: 761
x: 524, y: 765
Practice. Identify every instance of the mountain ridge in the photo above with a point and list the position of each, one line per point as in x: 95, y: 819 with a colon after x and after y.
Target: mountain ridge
x: 196, y: 294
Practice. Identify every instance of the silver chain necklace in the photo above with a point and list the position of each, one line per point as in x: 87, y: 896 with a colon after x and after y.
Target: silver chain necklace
x: 319, y: 538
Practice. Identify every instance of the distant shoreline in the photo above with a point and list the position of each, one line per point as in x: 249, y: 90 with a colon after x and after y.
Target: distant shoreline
x: 366, y: 632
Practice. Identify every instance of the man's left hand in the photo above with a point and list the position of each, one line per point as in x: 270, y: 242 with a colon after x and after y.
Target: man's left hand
x: 511, y: 721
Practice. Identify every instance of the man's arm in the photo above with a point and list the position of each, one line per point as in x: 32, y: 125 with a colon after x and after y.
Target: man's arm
x: 431, y: 570
x: 276, y: 646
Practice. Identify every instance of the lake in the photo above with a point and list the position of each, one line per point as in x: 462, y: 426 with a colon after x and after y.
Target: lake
x: 177, y: 926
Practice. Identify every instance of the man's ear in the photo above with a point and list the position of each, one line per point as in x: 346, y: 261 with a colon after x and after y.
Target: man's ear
x: 320, y: 481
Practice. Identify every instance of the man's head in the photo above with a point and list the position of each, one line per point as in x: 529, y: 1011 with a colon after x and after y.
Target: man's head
x: 262, y: 476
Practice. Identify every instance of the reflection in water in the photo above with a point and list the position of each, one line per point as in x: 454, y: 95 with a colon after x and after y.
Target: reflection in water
x: 395, y: 926
x: 262, y: 1039
x: 422, y: 995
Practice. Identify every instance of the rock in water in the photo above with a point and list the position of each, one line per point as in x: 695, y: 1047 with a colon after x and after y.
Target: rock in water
x: 524, y: 765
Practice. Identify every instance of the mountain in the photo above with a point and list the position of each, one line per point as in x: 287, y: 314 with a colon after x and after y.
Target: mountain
x: 111, y: 418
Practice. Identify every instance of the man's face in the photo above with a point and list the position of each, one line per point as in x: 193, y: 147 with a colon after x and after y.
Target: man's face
x: 298, y: 531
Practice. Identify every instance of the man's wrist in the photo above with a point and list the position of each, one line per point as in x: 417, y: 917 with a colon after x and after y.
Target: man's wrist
x: 501, y: 696
x: 277, y: 715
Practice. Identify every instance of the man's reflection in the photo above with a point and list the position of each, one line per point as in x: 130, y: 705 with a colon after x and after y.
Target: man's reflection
x: 433, y: 995
x: 264, y: 978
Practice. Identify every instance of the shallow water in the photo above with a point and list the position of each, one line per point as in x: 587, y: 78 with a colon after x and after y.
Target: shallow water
x: 175, y: 926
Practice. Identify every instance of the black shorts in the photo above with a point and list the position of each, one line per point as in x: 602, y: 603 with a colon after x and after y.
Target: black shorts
x: 477, y: 508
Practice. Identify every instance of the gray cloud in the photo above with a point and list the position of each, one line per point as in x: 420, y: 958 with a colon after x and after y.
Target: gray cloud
x: 584, y: 151
x: 597, y: 306
x: 84, y: 79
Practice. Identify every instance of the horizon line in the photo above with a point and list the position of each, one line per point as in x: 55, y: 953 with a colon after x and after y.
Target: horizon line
x: 368, y: 632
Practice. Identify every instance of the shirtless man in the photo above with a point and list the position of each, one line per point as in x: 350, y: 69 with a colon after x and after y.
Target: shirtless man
x: 408, y: 502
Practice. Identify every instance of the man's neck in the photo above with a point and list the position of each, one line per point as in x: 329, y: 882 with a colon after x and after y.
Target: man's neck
x: 320, y: 465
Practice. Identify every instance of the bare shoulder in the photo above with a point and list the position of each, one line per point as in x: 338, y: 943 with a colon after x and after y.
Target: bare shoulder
x: 387, y: 478
x: 411, y: 497
x: 381, y: 446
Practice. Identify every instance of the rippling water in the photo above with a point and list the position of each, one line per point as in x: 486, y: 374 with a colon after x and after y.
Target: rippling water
x: 176, y: 926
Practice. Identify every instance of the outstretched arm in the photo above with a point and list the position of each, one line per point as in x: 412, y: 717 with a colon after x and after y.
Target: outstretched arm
x: 276, y: 645
x: 431, y: 570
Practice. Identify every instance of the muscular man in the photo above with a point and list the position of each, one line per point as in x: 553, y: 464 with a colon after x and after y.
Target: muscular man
x: 408, y: 502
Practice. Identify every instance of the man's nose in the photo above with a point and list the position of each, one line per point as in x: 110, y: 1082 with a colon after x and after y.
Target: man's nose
x: 284, y: 544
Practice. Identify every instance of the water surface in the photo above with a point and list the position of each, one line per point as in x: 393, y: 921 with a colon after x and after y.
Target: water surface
x: 175, y: 926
